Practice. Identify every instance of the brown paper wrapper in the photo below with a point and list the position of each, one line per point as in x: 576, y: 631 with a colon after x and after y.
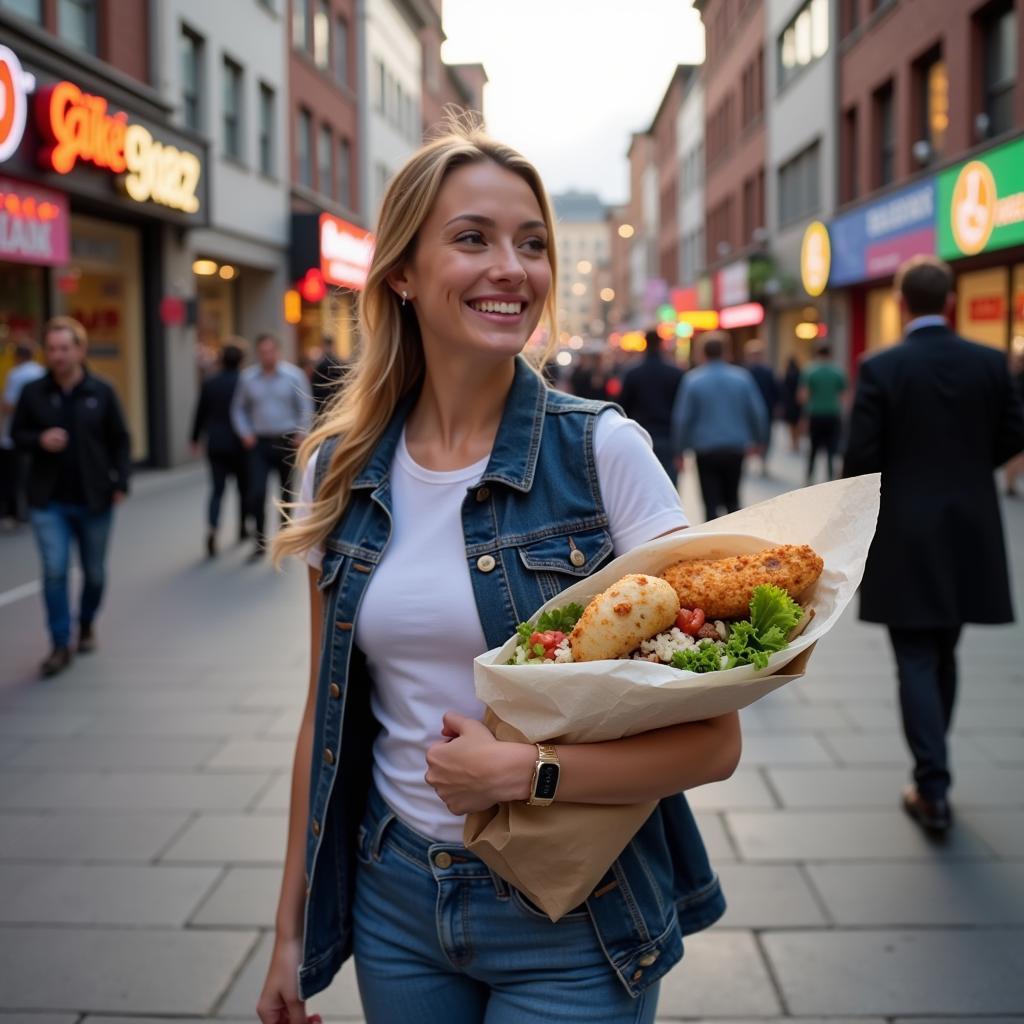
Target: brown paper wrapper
x: 556, y: 855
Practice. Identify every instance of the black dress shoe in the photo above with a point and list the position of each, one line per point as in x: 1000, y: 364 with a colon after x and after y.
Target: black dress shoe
x: 58, y: 660
x: 211, y: 544
x: 86, y: 640
x: 934, y: 816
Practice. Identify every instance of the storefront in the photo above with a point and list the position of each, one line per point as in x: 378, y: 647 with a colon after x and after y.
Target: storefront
x: 96, y: 186
x: 330, y: 259
x: 737, y: 313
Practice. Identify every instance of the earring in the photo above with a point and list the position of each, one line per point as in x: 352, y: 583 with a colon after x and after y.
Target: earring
x: 405, y: 295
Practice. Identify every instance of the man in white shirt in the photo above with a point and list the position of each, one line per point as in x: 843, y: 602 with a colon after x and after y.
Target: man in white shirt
x: 14, y: 464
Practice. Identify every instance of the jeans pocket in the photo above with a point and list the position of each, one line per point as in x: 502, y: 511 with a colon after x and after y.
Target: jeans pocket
x: 531, y: 910
x: 363, y: 846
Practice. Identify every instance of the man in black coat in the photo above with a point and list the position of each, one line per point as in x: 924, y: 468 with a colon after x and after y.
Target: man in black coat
x: 224, y: 451
x: 935, y: 415
x: 648, y: 393
x: 71, y: 425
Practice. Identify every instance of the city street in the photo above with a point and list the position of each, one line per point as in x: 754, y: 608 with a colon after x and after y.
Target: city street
x: 143, y: 801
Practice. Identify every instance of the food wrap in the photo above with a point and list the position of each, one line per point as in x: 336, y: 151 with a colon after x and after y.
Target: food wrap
x: 556, y: 855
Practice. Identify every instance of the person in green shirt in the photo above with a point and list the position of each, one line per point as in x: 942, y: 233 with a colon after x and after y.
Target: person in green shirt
x: 822, y: 384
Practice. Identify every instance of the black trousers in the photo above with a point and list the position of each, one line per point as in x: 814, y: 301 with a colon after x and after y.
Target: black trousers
x: 926, y: 663
x: 270, y: 455
x: 824, y: 432
x: 719, y: 474
x: 222, y: 468
x: 14, y: 467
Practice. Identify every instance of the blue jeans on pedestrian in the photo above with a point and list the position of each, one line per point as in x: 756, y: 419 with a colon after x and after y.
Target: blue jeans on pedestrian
x: 441, y: 939
x: 54, y: 527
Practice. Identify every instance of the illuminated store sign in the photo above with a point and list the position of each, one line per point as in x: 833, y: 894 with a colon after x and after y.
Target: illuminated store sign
x: 15, y: 86
x: 345, y: 252
x: 981, y: 203
x: 815, y: 259
x: 34, y: 225
x: 78, y: 128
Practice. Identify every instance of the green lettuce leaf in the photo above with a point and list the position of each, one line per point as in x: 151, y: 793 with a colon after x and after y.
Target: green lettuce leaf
x: 772, y: 607
x: 705, y: 657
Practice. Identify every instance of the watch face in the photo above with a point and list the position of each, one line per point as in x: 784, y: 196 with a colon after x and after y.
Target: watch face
x: 547, y: 782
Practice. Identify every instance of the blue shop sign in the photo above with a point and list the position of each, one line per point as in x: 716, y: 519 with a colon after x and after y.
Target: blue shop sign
x: 873, y: 240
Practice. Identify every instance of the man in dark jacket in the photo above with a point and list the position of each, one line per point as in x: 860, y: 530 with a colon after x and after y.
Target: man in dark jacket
x: 71, y: 424
x: 935, y: 415
x: 224, y: 451
x: 767, y: 384
x: 648, y: 393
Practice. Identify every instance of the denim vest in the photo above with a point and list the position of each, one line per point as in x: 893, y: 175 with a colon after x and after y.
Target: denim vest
x: 537, y: 503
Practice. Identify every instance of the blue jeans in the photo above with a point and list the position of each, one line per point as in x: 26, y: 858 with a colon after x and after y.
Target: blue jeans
x: 54, y: 526
x: 440, y: 939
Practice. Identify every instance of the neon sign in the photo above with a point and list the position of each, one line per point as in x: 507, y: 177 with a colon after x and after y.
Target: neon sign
x: 15, y: 85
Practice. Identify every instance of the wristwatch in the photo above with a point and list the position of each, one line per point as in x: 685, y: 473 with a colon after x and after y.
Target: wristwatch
x: 545, y: 776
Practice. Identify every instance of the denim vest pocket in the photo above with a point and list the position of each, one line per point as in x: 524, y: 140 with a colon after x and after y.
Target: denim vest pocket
x: 576, y: 555
x: 332, y: 565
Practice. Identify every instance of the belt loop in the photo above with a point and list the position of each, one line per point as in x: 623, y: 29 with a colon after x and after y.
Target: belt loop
x: 500, y: 886
x: 378, y: 835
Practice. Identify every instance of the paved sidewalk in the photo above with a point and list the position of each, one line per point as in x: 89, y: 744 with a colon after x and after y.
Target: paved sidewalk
x: 143, y: 800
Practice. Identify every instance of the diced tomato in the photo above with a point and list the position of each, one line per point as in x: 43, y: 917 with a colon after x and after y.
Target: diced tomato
x: 536, y: 638
x: 689, y: 620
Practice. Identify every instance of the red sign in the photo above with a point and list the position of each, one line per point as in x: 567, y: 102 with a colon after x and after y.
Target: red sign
x: 684, y: 299
x: 15, y: 85
x: 748, y: 314
x: 172, y: 311
x: 78, y: 127
x: 345, y: 252
x: 34, y: 225
x: 989, y: 307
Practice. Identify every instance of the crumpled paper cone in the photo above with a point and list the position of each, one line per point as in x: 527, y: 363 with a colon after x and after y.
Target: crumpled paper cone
x: 556, y: 855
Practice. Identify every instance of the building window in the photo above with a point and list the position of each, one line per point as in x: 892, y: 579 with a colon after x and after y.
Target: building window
x: 931, y: 107
x: 885, y: 136
x: 1000, y: 67
x: 803, y: 41
x: 849, y: 16
x: 31, y: 10
x: 345, y: 173
x: 380, y: 86
x: 849, y: 178
x: 76, y: 23
x: 192, y: 79
x: 266, y: 130
x: 383, y: 177
x: 304, y: 147
x: 322, y: 34
x: 325, y: 162
x: 300, y: 24
x: 232, y: 110
x: 799, y: 186
x: 341, y: 50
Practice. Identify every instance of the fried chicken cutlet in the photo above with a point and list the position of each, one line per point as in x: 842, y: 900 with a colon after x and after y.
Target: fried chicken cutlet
x: 723, y: 586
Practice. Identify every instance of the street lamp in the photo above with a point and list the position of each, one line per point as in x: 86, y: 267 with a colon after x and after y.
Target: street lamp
x: 607, y: 294
x: 626, y: 231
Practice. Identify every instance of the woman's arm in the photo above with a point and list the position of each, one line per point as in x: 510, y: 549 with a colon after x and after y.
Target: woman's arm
x: 471, y: 770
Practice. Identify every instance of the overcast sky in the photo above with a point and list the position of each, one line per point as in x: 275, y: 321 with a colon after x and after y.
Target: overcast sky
x: 571, y: 79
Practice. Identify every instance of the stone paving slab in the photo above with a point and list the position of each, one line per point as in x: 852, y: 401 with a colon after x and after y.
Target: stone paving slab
x: 38, y: 1018
x: 792, y: 748
x: 722, y: 974
x: 768, y: 896
x: 180, y: 723
x: 971, y: 715
x: 1002, y: 830
x: 80, y: 894
x: 231, y: 839
x: 795, y: 718
x: 745, y: 790
x: 716, y: 839
x: 9, y: 746
x: 42, y: 726
x: 842, y: 835
x: 967, y: 972
x: 147, y: 753
x: 112, y: 970
x: 82, y: 837
x: 285, y: 724
x: 1002, y: 749
x: 890, y: 748
x: 91, y: 700
x: 896, y: 895
x: 243, y: 897
x: 253, y: 755
x: 274, y: 698
x: 278, y: 794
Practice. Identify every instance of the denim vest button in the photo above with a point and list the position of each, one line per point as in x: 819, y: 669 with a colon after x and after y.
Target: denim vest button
x: 646, y: 961
x: 443, y: 860
x: 328, y: 756
x: 485, y: 563
x: 334, y: 690
x: 577, y: 557
x: 483, y: 493
x: 637, y: 975
x: 316, y: 827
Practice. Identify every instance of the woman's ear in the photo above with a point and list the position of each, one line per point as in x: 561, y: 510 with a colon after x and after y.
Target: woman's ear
x: 399, y: 284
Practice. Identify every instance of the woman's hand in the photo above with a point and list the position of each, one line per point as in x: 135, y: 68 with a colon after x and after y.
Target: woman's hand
x: 279, y: 1001
x: 470, y: 770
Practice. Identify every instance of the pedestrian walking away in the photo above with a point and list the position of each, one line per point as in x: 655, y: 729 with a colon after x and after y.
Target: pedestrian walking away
x: 648, y: 392
x: 14, y: 463
x: 1014, y: 469
x: 767, y: 384
x: 224, y: 450
x: 720, y: 416
x: 71, y: 425
x: 822, y: 385
x: 271, y: 411
x: 935, y: 414
x: 792, y: 410
x: 328, y: 375
x: 442, y: 498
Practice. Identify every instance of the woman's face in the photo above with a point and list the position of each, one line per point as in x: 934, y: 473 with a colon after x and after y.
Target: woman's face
x: 480, y: 274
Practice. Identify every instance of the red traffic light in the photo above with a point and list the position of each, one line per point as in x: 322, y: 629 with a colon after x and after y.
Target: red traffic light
x: 312, y: 287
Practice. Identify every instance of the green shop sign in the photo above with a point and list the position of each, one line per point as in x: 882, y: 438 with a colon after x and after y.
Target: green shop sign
x: 981, y: 203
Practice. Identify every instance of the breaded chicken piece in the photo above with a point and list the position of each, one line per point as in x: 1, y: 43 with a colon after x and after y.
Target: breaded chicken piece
x: 618, y: 620
x: 722, y: 586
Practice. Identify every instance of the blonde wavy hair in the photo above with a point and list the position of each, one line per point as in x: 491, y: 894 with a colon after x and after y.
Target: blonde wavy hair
x: 389, y: 360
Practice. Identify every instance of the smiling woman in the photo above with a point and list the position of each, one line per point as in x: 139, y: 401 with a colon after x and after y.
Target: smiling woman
x: 447, y: 493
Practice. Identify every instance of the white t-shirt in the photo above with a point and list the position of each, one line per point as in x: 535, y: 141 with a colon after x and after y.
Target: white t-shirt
x: 418, y: 624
